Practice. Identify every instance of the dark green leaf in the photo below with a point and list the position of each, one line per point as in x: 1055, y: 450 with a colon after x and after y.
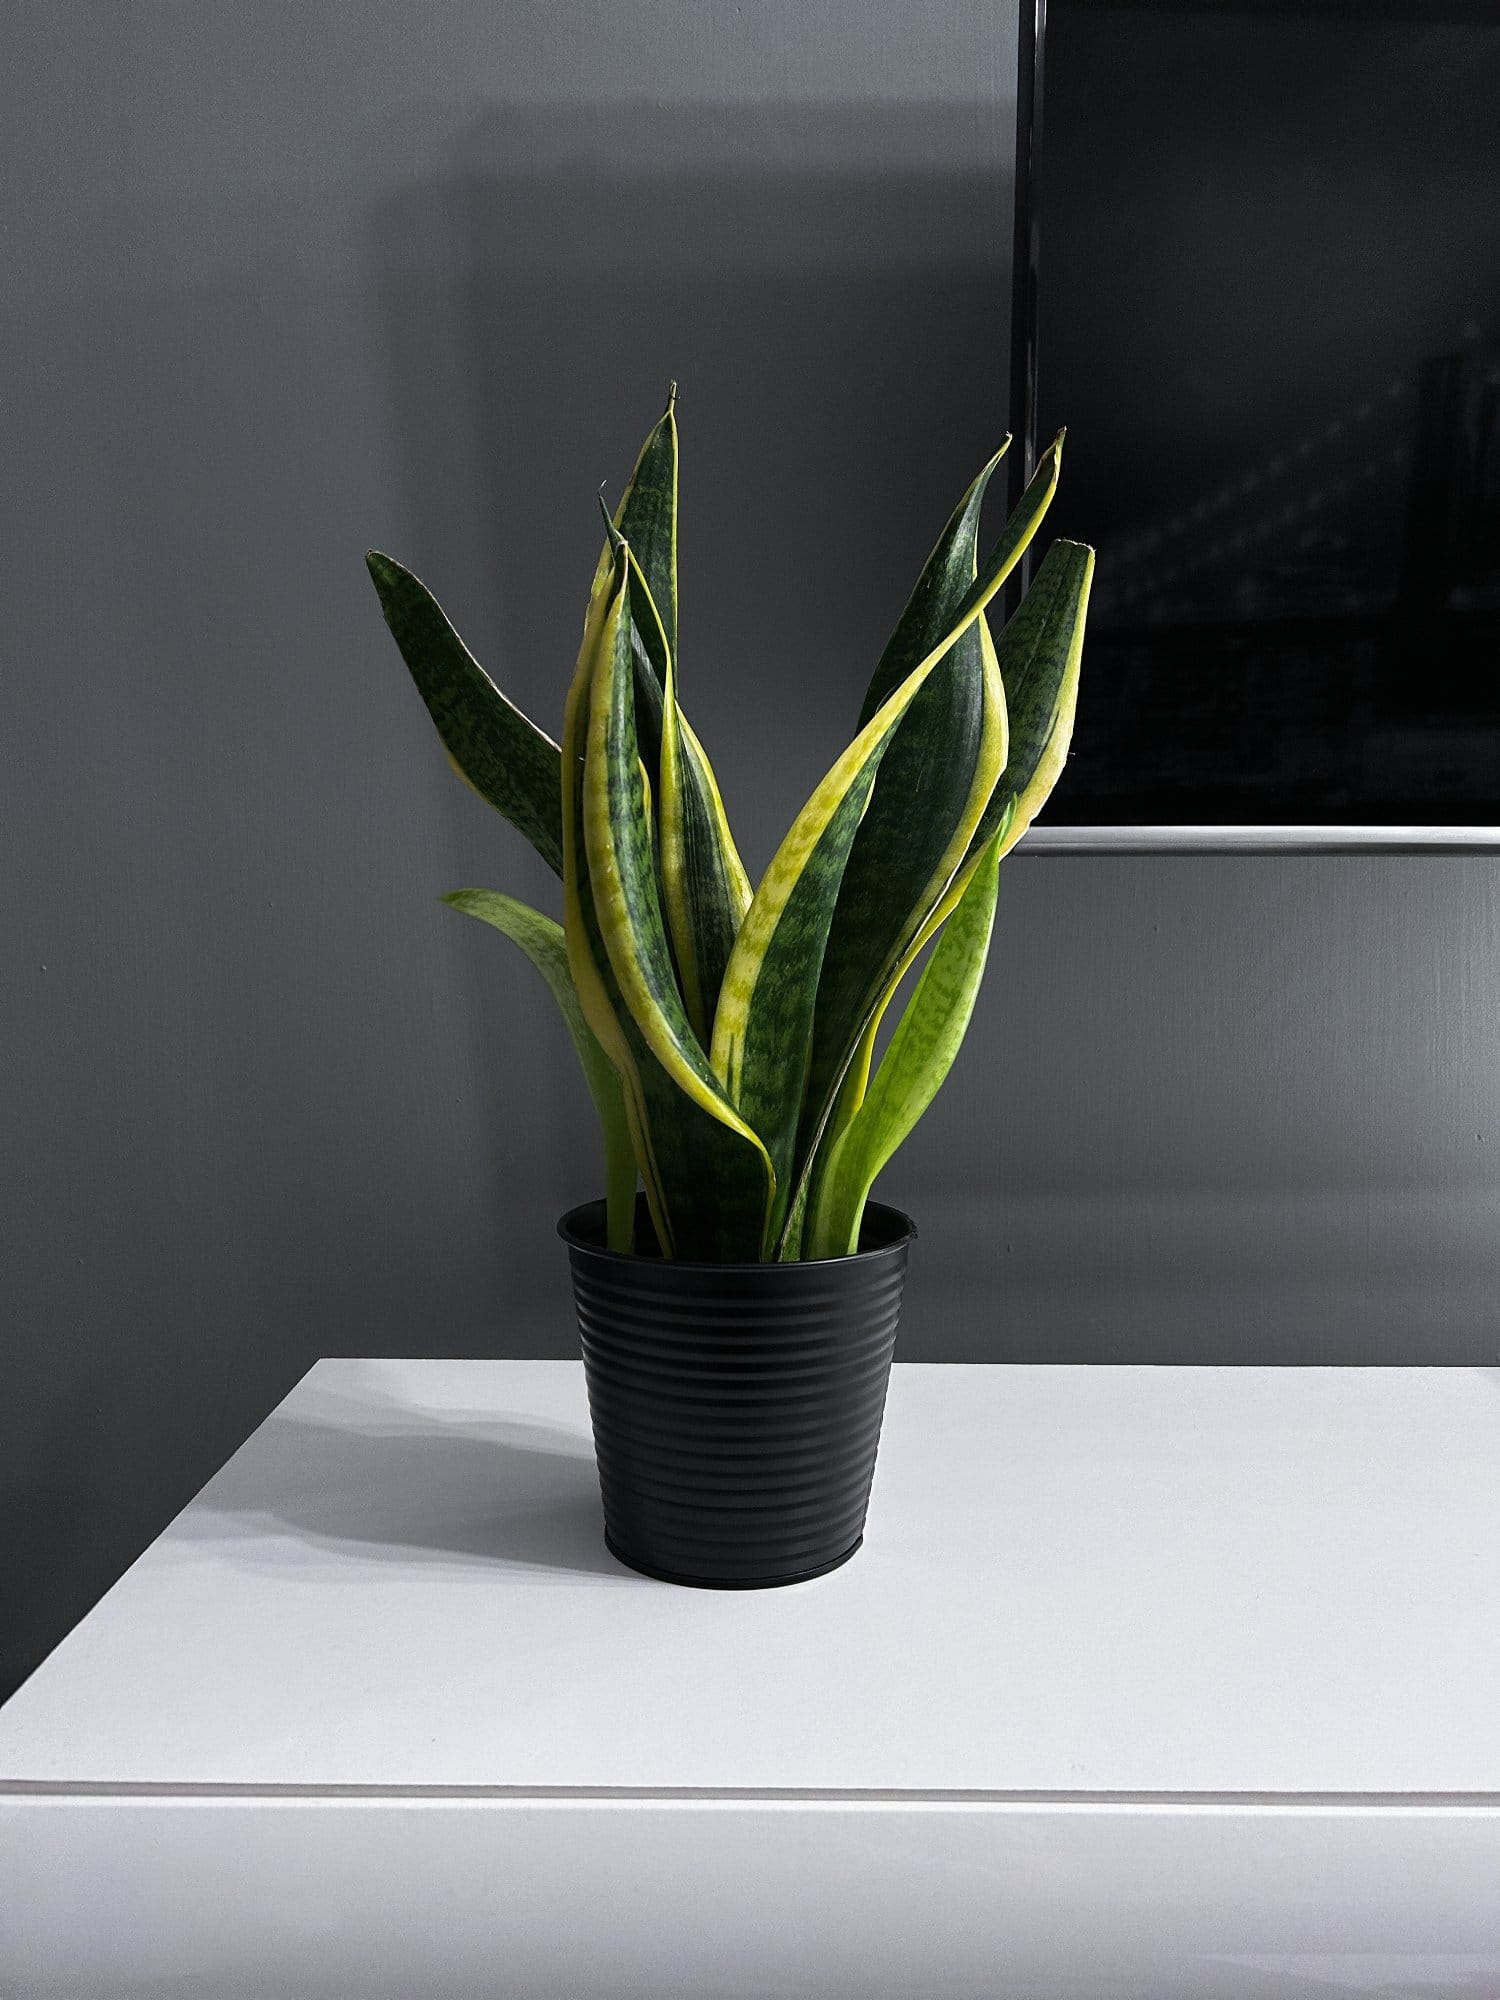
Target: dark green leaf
x: 491, y: 744
x: 705, y: 892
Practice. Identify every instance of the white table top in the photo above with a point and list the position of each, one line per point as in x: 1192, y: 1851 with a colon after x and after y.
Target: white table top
x: 1075, y: 1581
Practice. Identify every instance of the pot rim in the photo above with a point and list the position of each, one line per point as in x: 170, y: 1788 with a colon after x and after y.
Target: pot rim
x: 568, y: 1229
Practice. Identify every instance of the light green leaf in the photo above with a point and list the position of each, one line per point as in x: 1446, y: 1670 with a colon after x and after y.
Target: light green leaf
x: 1041, y: 653
x: 920, y: 1055
x: 544, y: 944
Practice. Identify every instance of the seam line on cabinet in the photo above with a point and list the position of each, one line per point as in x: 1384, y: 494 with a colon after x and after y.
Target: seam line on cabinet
x: 43, y: 1788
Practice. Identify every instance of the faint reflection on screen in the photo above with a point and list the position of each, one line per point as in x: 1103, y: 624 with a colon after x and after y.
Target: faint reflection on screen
x: 1269, y: 288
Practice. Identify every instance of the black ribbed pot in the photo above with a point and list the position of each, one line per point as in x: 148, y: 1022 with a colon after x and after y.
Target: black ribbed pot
x: 736, y: 1407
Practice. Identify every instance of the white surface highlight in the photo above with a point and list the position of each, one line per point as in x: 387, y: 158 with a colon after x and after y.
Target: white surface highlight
x: 1079, y: 1579
x: 1203, y: 1660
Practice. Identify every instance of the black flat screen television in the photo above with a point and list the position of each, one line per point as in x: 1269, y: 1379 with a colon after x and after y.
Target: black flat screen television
x: 1259, y: 282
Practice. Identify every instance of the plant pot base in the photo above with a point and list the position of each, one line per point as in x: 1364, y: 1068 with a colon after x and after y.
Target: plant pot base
x: 732, y: 1582
x: 736, y: 1408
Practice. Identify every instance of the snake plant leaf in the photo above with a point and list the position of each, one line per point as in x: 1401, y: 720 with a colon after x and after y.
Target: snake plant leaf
x: 647, y: 517
x: 648, y: 644
x: 626, y: 896
x: 1040, y: 657
x: 763, y: 1023
x: 1041, y: 651
x: 588, y: 962
x: 857, y: 1077
x: 920, y: 1055
x: 705, y: 890
x: 704, y: 884
x: 953, y: 583
x: 544, y: 944
x: 646, y: 520
x: 1040, y: 654
x: 936, y: 782
x: 707, y: 1177
x: 490, y: 743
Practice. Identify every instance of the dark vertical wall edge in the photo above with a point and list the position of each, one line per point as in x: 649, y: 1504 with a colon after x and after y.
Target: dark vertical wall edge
x: 1031, y: 38
x: 1025, y: 241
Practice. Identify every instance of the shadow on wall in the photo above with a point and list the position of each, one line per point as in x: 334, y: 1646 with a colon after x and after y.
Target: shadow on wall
x: 832, y: 287
x: 840, y: 334
x: 835, y: 298
x: 280, y: 1103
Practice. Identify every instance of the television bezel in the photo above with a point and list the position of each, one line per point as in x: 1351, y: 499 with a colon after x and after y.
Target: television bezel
x: 1026, y: 280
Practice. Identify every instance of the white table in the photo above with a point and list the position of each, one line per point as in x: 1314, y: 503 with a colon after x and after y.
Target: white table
x: 1147, y: 1682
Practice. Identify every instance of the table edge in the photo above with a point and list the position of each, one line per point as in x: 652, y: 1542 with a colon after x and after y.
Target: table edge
x: 22, y: 1790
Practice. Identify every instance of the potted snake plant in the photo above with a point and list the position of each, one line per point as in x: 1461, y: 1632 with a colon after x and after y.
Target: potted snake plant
x: 738, y: 1313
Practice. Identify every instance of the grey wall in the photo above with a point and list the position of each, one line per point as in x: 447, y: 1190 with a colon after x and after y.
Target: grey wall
x: 281, y: 283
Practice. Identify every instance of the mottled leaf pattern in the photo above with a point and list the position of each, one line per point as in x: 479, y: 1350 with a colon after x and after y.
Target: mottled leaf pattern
x: 647, y: 517
x: 707, y: 1175
x: 704, y: 885
x: 705, y: 891
x: 1040, y: 653
x: 763, y: 1024
x: 727, y: 1038
x: 953, y: 584
x: 937, y: 780
x: 920, y: 1055
x: 490, y: 743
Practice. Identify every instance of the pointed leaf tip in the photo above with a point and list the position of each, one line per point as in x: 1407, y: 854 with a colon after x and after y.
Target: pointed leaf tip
x: 495, y: 748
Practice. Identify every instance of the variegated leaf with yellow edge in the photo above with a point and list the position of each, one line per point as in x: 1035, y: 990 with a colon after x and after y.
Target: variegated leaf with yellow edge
x: 708, y: 1179
x: 935, y: 784
x: 921, y: 1053
x: 704, y: 889
x: 542, y: 940
x: 763, y: 1025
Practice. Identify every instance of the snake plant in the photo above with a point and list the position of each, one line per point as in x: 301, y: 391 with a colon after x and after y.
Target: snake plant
x: 728, y: 1034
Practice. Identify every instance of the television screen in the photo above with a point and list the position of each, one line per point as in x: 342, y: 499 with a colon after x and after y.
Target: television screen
x: 1267, y: 307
